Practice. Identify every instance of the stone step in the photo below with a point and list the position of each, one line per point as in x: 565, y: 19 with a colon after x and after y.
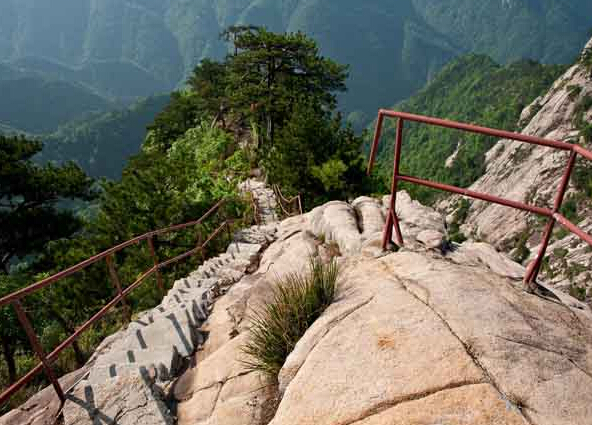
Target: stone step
x: 195, y: 308
x: 125, y: 400
x: 176, y: 329
x: 248, y: 251
x: 165, y: 362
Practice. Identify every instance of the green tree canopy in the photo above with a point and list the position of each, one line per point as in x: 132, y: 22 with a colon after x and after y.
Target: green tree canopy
x: 270, y: 72
x: 30, y: 195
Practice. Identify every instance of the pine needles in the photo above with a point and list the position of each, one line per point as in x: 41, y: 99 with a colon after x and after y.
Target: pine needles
x: 297, y: 301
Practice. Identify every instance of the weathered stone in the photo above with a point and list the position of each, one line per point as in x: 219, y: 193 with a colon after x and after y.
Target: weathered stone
x: 127, y: 400
x: 200, y: 406
x: 372, y: 247
x: 527, y: 344
x: 337, y: 221
x: 482, y: 254
x: 391, y: 348
x: 370, y: 215
x: 477, y: 348
x: 478, y: 404
x: 432, y: 239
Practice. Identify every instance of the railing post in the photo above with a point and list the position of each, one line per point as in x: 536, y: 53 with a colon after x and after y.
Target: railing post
x: 377, y: 134
x: 199, y: 245
x: 155, y: 259
x: 392, y: 218
x: 22, y: 316
x: 227, y: 225
x: 127, y: 313
x: 534, y: 267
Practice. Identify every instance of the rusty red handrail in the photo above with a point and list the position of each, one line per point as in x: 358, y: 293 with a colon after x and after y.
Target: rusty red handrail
x: 296, y: 200
x: 15, y: 297
x: 553, y: 214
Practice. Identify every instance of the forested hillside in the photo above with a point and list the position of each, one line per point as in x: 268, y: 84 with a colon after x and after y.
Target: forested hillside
x: 102, y: 144
x: 124, y: 49
x: 207, y: 138
x: 473, y: 89
x: 35, y: 105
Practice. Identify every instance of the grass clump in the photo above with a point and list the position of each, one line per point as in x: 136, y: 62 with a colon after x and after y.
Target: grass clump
x: 298, y: 300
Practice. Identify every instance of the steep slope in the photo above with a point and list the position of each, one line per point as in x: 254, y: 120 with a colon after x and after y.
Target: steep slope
x: 531, y: 174
x: 35, y: 105
x: 134, y: 48
x: 423, y: 335
x: 508, y: 30
x: 102, y: 143
x: 472, y: 88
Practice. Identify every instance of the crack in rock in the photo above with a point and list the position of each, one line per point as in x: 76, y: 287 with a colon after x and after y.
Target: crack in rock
x: 381, y: 407
x: 489, y: 378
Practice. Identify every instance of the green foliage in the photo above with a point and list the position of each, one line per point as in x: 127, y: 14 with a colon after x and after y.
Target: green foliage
x: 298, y: 300
x: 460, y: 216
x: 472, y: 88
x: 331, y: 174
x: 521, y: 252
x: 31, y: 220
x: 577, y: 292
x: 30, y: 216
x: 316, y: 156
x: 271, y: 72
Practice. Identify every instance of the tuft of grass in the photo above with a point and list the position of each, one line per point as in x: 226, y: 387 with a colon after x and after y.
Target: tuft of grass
x: 333, y: 249
x: 322, y: 238
x: 298, y: 300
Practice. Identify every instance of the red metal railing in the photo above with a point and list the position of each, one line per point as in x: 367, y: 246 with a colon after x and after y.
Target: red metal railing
x: 294, y: 203
x: 47, y: 359
x: 553, y: 214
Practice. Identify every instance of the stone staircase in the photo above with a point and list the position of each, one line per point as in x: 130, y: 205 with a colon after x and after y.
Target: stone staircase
x: 264, y: 198
x: 157, y: 346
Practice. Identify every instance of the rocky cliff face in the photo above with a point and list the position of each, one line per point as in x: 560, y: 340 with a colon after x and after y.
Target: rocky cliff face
x: 418, y: 336
x: 530, y: 174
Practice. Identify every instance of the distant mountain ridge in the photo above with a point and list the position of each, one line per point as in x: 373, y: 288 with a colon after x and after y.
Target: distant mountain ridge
x: 102, y: 143
x: 31, y: 104
x: 133, y: 48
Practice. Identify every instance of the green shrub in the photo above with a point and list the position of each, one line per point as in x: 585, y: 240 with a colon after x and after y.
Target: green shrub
x: 577, y: 292
x: 298, y: 300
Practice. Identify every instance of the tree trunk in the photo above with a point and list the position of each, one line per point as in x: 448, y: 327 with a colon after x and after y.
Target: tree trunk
x: 8, y: 352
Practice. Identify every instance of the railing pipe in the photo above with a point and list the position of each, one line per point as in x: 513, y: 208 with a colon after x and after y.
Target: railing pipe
x: 102, y: 312
x: 392, y: 218
x: 553, y: 214
x: 155, y: 259
x: 83, y: 264
x: 478, y: 195
x: 117, y: 283
x: 573, y: 228
x: 534, y: 268
x: 581, y: 151
x: 377, y: 134
x: 15, y: 297
x: 500, y: 134
x: 13, y: 388
x: 22, y: 317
